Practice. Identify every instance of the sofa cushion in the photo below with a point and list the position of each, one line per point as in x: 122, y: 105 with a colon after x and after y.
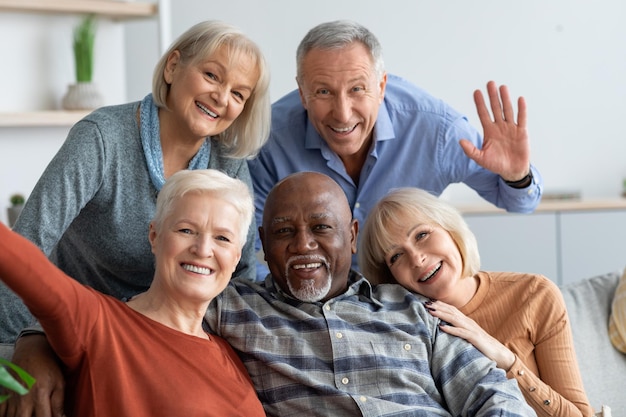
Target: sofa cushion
x: 602, y: 366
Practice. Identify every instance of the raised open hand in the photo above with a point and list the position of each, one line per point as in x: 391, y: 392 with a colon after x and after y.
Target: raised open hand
x: 506, y: 148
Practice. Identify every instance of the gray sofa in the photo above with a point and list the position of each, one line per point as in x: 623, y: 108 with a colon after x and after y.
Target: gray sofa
x: 603, y: 367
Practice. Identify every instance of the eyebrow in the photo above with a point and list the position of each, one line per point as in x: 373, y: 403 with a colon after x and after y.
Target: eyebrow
x: 314, y: 216
x: 283, y: 219
x: 408, y: 233
x: 223, y: 68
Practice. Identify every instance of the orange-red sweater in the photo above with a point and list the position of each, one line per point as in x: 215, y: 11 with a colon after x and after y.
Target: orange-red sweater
x: 119, y: 362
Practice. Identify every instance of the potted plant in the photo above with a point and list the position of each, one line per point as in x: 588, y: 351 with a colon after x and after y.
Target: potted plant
x: 13, y: 211
x: 84, y: 94
x: 10, y: 383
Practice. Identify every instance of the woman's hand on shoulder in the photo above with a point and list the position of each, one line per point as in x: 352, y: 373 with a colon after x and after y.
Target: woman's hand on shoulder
x: 458, y: 324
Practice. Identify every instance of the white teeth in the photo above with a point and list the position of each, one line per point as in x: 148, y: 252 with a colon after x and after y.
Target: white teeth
x: 312, y: 265
x: 343, y: 130
x: 207, y: 111
x: 431, y: 273
x: 197, y: 269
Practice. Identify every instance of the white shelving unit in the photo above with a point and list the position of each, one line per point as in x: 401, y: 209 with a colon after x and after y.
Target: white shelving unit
x: 116, y: 10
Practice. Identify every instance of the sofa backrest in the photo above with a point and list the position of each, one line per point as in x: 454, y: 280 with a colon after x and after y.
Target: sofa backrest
x: 602, y: 366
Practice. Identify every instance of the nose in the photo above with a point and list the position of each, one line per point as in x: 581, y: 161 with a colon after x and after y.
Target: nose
x: 202, y: 246
x: 303, y: 241
x: 418, y: 258
x: 220, y: 95
x: 342, y: 108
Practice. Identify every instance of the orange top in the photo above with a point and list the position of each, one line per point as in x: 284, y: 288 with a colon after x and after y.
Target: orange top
x: 527, y: 313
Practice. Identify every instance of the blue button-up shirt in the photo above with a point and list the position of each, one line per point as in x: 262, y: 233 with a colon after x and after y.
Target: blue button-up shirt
x: 416, y: 144
x: 369, y: 352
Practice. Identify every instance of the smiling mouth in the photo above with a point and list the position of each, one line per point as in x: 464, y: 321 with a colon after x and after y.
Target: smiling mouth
x: 306, y: 264
x: 197, y: 269
x: 207, y: 111
x: 343, y: 130
x: 312, y: 265
x: 431, y: 273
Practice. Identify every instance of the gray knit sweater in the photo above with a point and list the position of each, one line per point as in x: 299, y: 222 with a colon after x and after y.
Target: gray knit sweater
x: 91, y: 208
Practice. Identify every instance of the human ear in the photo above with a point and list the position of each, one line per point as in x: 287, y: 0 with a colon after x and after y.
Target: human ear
x: 170, y: 66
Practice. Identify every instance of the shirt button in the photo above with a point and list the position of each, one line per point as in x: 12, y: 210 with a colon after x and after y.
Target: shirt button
x: 363, y: 399
x: 338, y: 335
x: 531, y: 389
x: 546, y: 402
x: 345, y: 381
x: 520, y: 372
x: 357, y: 205
x: 407, y: 346
x: 327, y: 307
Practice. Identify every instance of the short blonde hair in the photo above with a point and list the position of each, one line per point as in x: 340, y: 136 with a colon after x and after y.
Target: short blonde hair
x: 210, y: 181
x: 249, y: 132
x: 414, y: 205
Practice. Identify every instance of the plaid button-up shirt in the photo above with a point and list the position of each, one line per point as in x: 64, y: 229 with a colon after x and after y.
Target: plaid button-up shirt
x: 369, y: 352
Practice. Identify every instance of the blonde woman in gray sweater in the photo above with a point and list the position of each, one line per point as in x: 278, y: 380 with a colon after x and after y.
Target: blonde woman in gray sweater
x: 209, y: 108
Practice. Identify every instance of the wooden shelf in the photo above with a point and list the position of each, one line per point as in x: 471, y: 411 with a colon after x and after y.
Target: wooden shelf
x: 41, y: 118
x: 551, y: 206
x: 109, y: 8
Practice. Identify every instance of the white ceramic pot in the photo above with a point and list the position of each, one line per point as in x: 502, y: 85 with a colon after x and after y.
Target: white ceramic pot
x: 82, y: 96
x: 13, y: 213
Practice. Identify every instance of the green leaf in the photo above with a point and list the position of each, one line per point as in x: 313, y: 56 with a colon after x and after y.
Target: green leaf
x: 84, y: 38
x: 8, y: 381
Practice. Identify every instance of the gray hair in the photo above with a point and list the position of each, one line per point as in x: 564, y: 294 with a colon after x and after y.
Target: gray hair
x: 413, y: 204
x: 210, y: 181
x: 336, y: 35
x: 249, y: 132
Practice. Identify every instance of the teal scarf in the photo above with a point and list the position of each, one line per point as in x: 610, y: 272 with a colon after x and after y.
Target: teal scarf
x: 151, y: 142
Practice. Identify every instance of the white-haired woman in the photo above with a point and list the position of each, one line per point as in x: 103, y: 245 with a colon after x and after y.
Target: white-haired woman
x: 149, y: 356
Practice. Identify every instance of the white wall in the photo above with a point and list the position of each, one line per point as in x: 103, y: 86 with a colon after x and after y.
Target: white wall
x: 566, y: 57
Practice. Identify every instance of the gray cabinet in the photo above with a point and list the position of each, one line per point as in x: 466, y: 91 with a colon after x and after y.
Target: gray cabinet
x: 517, y: 242
x: 592, y: 243
x: 566, y: 244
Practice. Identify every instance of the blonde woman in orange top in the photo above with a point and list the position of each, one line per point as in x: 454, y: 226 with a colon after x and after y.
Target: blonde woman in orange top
x: 518, y: 320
